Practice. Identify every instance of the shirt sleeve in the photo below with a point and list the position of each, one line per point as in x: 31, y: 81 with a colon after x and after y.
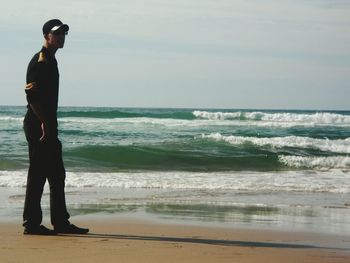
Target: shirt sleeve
x: 33, y: 87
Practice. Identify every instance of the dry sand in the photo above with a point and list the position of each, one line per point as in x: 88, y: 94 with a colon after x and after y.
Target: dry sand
x: 116, y: 240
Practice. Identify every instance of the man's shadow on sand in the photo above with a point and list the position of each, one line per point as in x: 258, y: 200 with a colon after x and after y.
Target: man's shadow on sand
x: 216, y: 242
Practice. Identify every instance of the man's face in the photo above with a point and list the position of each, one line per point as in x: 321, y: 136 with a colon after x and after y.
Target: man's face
x: 56, y: 39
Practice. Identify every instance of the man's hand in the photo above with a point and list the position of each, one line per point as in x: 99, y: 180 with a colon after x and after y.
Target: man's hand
x: 31, y: 86
x: 39, y: 112
x: 45, y: 133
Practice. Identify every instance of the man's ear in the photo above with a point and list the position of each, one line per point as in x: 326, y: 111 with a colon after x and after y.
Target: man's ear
x: 46, y: 36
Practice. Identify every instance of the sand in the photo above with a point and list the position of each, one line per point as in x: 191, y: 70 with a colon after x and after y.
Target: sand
x: 130, y: 240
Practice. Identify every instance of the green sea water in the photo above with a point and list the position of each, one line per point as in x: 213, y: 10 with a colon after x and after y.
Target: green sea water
x: 113, y: 139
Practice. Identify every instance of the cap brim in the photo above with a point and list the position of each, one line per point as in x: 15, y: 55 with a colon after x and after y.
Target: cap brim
x: 63, y: 27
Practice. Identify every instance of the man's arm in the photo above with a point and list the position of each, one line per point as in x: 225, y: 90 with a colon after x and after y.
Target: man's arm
x: 39, y: 112
x: 33, y: 97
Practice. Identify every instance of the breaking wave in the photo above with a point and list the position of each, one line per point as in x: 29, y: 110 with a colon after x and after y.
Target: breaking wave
x: 325, y: 118
x: 335, y: 146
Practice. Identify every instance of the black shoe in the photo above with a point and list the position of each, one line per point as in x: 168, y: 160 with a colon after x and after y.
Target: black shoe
x: 38, y: 230
x: 70, y: 229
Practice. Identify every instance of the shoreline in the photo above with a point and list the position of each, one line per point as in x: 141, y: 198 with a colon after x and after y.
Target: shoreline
x: 314, y: 213
x: 130, y: 239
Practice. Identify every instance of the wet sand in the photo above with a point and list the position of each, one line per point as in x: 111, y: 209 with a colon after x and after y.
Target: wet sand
x: 138, y: 240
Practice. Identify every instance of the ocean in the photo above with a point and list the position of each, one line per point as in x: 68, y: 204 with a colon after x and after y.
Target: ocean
x: 177, y: 163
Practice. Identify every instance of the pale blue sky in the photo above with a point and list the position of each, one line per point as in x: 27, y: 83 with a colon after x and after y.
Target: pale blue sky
x: 186, y: 53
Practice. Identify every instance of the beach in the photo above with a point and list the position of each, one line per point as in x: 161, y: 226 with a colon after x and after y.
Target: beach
x: 187, y: 185
x: 134, y: 228
x: 137, y: 228
x: 113, y: 239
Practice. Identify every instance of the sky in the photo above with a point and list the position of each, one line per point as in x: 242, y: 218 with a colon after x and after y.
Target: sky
x: 241, y: 54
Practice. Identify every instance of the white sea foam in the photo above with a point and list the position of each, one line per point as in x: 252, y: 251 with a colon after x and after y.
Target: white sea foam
x: 323, y: 118
x: 332, y: 181
x: 8, y: 118
x: 330, y: 162
x: 13, y: 178
x: 140, y: 120
x: 218, y: 115
x: 336, y: 146
x: 260, y: 119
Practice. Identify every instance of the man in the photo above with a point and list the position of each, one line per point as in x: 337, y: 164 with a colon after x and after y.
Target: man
x: 45, y: 149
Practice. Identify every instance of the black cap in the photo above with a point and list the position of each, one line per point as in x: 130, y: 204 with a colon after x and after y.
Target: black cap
x: 54, y: 25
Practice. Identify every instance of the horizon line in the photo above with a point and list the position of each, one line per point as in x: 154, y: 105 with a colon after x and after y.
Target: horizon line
x: 193, y: 108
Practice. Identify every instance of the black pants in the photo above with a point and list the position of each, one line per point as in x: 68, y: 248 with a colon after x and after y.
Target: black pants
x: 45, y: 163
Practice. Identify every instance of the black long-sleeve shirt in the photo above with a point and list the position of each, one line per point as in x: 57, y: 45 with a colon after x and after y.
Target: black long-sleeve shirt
x: 43, y: 73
